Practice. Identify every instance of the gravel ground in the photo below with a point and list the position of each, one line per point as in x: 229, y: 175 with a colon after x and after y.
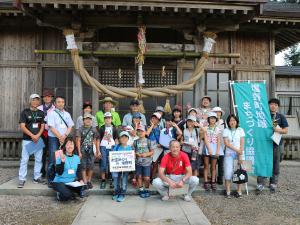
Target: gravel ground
x: 41, y: 210
x: 281, y: 208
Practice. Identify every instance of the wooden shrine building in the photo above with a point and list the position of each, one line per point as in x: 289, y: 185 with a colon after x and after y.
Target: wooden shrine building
x: 252, y: 30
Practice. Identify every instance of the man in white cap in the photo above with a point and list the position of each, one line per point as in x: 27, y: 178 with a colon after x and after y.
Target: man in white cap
x: 32, y: 125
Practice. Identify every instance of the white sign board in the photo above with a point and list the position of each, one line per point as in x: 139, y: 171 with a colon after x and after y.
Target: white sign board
x: 121, y: 161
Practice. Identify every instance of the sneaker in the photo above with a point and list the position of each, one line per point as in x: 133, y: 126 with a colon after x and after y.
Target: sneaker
x: 227, y: 195
x: 89, y: 185
x: 142, y: 193
x: 102, y: 184
x: 21, y: 184
x: 273, y: 188
x: 115, y: 197
x: 58, y: 196
x: 238, y: 195
x: 187, y: 198
x: 82, y: 193
x: 121, y: 198
x: 39, y: 181
x: 165, y: 198
x: 259, y: 189
x: 147, y: 194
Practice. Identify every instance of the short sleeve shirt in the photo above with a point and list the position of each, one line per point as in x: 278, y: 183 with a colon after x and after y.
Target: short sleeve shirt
x: 213, y: 134
x: 55, y: 121
x: 127, y: 120
x: 32, y: 120
x: 279, y: 120
x: 89, y: 134
x: 143, y: 146
x: 175, y: 165
x: 234, y: 137
x: 190, y: 137
x: 79, y: 122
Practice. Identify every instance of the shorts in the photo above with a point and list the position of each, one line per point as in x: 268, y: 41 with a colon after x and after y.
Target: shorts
x: 195, y: 164
x: 104, y: 162
x: 87, y: 160
x: 143, y: 171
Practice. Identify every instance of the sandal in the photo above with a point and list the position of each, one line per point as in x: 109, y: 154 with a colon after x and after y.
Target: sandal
x: 134, y: 184
x: 206, y: 186
x: 213, y: 186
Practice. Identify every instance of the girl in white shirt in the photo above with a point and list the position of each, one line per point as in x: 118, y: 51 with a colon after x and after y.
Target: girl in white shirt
x: 234, y: 141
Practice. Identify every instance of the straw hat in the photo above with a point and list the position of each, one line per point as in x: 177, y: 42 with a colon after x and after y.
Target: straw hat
x: 108, y: 99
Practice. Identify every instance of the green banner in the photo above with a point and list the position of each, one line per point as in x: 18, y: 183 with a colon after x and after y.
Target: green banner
x: 253, y: 111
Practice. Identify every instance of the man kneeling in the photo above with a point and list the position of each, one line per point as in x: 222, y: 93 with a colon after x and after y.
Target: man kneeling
x: 175, y: 171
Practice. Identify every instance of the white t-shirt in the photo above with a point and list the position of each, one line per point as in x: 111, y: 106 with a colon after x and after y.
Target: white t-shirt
x: 234, y: 137
x: 108, y: 140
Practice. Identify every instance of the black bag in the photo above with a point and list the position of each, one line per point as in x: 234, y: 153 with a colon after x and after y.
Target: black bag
x: 240, y: 176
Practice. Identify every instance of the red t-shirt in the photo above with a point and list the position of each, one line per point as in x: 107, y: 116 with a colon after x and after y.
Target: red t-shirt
x: 175, y: 166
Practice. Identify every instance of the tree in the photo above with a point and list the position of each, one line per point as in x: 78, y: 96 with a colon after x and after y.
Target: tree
x: 292, y: 57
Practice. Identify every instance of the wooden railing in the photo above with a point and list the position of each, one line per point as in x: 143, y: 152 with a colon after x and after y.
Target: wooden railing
x: 11, y: 145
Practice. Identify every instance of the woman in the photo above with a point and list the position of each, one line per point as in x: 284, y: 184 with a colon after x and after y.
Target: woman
x: 68, y: 170
x: 234, y: 142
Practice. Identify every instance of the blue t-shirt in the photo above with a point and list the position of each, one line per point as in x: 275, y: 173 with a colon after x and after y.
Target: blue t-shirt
x: 154, y: 134
x: 120, y: 147
x: 70, y: 169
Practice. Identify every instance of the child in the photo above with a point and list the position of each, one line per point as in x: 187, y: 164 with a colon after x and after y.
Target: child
x: 161, y: 111
x: 177, y: 117
x: 234, y: 142
x: 153, y: 134
x: 144, y: 152
x: 170, y: 132
x: 87, y: 140
x: 212, y: 150
x: 109, y: 137
x: 190, y: 141
x: 221, y: 125
x: 120, y: 190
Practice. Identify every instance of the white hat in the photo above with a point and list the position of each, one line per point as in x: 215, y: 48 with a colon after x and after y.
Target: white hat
x: 34, y: 96
x: 129, y: 128
x: 212, y: 114
x: 192, y: 109
x: 159, y: 109
x: 87, y: 115
x: 124, y: 133
x: 107, y: 114
x: 157, y: 115
x: 192, y: 118
x: 218, y: 109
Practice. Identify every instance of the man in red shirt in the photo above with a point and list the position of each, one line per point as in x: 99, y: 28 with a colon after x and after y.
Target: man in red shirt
x: 175, y: 171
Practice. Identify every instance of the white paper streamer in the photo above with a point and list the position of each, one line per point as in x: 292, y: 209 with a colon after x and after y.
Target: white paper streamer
x: 208, y: 44
x: 140, y: 72
x: 71, y: 44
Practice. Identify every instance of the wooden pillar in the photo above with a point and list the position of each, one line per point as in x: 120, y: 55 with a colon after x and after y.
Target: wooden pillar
x: 272, y: 91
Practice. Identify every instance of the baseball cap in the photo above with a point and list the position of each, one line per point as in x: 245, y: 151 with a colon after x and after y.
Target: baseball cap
x: 192, y: 118
x: 87, y: 115
x: 192, y: 109
x: 124, y: 133
x: 34, y: 96
x: 107, y: 114
x: 159, y: 109
x: 134, y: 102
x: 136, y: 115
x: 48, y: 92
x: 157, y: 115
x: 212, y: 114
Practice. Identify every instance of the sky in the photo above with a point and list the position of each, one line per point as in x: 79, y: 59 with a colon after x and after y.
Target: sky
x: 279, y: 61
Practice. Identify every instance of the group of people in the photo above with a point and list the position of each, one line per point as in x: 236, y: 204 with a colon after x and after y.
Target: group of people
x: 170, y: 150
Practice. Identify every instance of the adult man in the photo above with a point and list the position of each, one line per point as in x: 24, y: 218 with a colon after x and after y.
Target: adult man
x: 46, y: 107
x: 134, y: 108
x: 203, y: 110
x: 60, y: 126
x: 32, y: 126
x: 175, y: 171
x: 108, y: 104
x: 280, y: 125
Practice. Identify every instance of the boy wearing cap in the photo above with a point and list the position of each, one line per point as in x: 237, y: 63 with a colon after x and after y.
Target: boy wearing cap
x: 144, y: 152
x: 121, y: 177
x: 87, y: 108
x: 46, y: 107
x: 32, y: 126
x: 88, y: 148
x: 108, y: 106
x: 108, y: 137
x: 134, y: 108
